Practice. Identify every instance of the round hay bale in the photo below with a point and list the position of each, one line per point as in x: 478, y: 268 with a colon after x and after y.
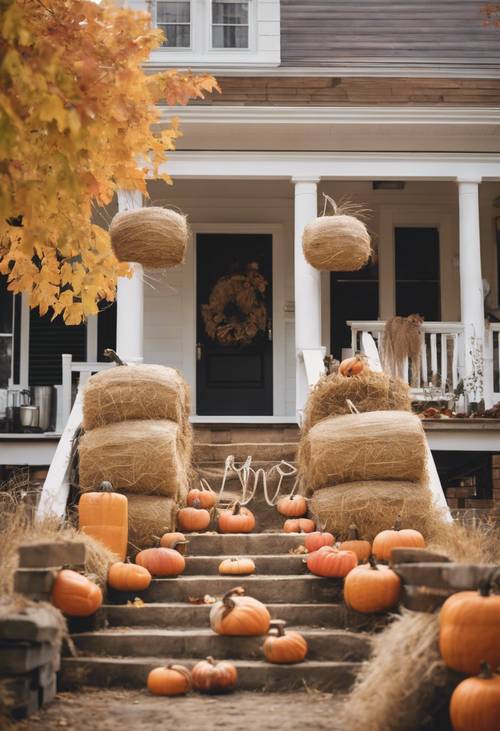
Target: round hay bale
x: 135, y: 456
x: 149, y: 516
x: 337, y: 243
x: 377, y: 445
x: 368, y: 392
x: 374, y: 506
x: 154, y: 237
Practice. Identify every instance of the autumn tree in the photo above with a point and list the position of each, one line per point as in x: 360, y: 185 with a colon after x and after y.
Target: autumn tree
x: 76, y: 116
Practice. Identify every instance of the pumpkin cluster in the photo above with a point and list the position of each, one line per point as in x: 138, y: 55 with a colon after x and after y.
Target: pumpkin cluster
x: 207, y: 676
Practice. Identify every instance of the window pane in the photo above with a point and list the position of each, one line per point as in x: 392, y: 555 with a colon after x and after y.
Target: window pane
x: 5, y: 360
x: 6, y: 303
x: 177, y: 36
x: 230, y: 13
x: 178, y: 12
x: 229, y: 36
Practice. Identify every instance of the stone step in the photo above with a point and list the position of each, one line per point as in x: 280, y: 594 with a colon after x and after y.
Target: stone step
x: 252, y: 674
x: 267, y: 451
x: 324, y: 644
x: 277, y: 589
x: 279, y: 564
x: 177, y: 614
x: 242, y: 544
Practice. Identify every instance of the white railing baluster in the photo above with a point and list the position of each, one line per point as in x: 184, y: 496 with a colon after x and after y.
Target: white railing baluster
x: 454, y: 361
x: 423, y: 361
x: 434, y: 360
x: 444, y: 361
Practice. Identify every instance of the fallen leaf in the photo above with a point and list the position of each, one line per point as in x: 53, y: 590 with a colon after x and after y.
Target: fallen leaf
x: 138, y: 602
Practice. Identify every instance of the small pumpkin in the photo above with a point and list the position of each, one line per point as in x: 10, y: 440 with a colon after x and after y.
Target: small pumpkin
x: 201, y: 498
x: 372, y: 588
x: 194, y: 518
x: 299, y: 525
x: 352, y: 366
x: 161, y: 561
x: 329, y: 561
x: 169, y: 680
x: 475, y: 702
x: 292, y: 506
x: 239, y: 615
x: 210, y: 676
x: 169, y: 540
x: 128, y: 577
x: 469, y: 630
x: 237, y: 520
x: 236, y: 566
x: 362, y: 549
x: 317, y: 539
x: 103, y: 514
x: 386, y: 540
x: 284, y: 647
x: 75, y: 595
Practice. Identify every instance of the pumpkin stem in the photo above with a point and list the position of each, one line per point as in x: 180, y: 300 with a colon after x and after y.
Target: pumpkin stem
x: 279, y: 625
x: 484, y: 587
x: 237, y: 508
x: 211, y: 660
x: 196, y: 504
x: 485, y: 671
x: 397, y: 523
x: 110, y: 354
x: 105, y: 486
x: 373, y: 562
x: 228, y: 601
x: 180, y: 546
x: 353, y: 533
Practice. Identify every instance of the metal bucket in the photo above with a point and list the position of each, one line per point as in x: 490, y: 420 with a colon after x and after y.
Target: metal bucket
x: 28, y: 416
x: 43, y: 397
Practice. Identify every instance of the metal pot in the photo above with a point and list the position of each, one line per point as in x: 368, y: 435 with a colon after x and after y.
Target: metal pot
x: 28, y: 416
x: 43, y: 397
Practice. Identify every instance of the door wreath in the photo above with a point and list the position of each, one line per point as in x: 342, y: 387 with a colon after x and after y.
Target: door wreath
x: 236, y: 311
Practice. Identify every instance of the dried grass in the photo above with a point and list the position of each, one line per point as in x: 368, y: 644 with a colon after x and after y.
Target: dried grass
x: 402, y: 341
x: 142, y: 457
x: 404, y: 685
x: 154, y: 237
x: 376, y: 445
x: 368, y: 392
x: 478, y: 544
x: 148, y: 517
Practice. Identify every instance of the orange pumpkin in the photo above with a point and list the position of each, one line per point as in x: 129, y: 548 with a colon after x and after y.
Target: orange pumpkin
x: 214, y: 677
x: 299, y: 525
x: 194, y: 518
x: 475, y: 702
x: 239, y: 615
x: 104, y: 516
x: 316, y: 540
x: 236, y: 566
x: 293, y: 506
x: 385, y: 541
x: 352, y: 366
x: 237, y: 520
x: 201, y: 498
x: 128, y: 577
x: 284, y: 647
x: 169, y: 680
x: 169, y: 540
x: 75, y: 595
x: 329, y: 561
x: 161, y: 561
x: 469, y: 630
x: 362, y: 549
x: 372, y: 588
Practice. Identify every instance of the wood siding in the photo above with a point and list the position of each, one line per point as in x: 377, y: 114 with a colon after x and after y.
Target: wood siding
x: 325, y: 32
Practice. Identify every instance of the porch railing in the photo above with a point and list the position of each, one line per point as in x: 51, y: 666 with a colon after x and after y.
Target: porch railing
x: 492, y: 356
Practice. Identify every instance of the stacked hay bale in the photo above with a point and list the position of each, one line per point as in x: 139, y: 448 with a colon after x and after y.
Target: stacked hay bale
x: 368, y: 467
x: 138, y: 436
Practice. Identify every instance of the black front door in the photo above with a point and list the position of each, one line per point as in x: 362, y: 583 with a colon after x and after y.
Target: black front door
x: 234, y: 374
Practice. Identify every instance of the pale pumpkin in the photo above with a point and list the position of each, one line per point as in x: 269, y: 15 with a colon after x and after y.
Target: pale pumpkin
x: 236, y: 566
x: 201, y: 498
x: 386, y: 540
x: 475, y: 702
x: 161, y: 561
x: 128, y: 577
x: 362, y: 549
x: 292, y: 506
x: 103, y: 514
x: 317, y: 539
x: 237, y: 520
x: 372, y: 588
x: 209, y: 676
x: 299, y: 525
x: 239, y: 615
x: 469, y: 630
x: 352, y: 366
x: 75, y: 595
x: 330, y: 562
x: 193, y: 519
x: 169, y: 680
x: 284, y: 647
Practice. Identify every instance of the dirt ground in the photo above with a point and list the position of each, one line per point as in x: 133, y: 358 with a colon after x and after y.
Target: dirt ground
x: 114, y: 710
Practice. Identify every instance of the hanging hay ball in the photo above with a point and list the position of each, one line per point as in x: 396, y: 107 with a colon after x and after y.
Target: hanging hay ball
x: 337, y: 243
x: 377, y: 445
x: 135, y: 456
x: 149, y: 516
x: 155, y: 237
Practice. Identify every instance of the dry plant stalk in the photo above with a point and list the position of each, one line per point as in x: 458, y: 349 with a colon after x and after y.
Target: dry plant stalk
x: 376, y: 445
x: 142, y: 457
x: 368, y: 392
x: 466, y: 544
x: 154, y: 237
x: 402, y: 340
x: 148, y: 517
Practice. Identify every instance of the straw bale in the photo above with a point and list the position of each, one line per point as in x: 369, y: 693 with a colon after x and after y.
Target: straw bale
x: 154, y: 237
x: 135, y: 456
x: 368, y: 392
x: 338, y: 243
x: 374, y: 506
x: 377, y: 445
x: 149, y: 516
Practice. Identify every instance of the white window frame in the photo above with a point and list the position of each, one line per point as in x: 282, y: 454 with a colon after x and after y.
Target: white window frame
x: 252, y: 27
x: 175, y: 49
x: 4, y: 336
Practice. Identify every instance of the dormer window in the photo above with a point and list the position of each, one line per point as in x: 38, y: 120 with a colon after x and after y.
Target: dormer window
x: 230, y: 24
x: 174, y: 19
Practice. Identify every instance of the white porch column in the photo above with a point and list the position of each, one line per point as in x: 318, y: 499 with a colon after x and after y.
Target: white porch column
x: 307, y: 282
x: 471, y: 285
x: 130, y: 298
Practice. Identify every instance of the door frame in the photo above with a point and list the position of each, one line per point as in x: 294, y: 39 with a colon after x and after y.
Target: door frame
x: 189, y: 304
